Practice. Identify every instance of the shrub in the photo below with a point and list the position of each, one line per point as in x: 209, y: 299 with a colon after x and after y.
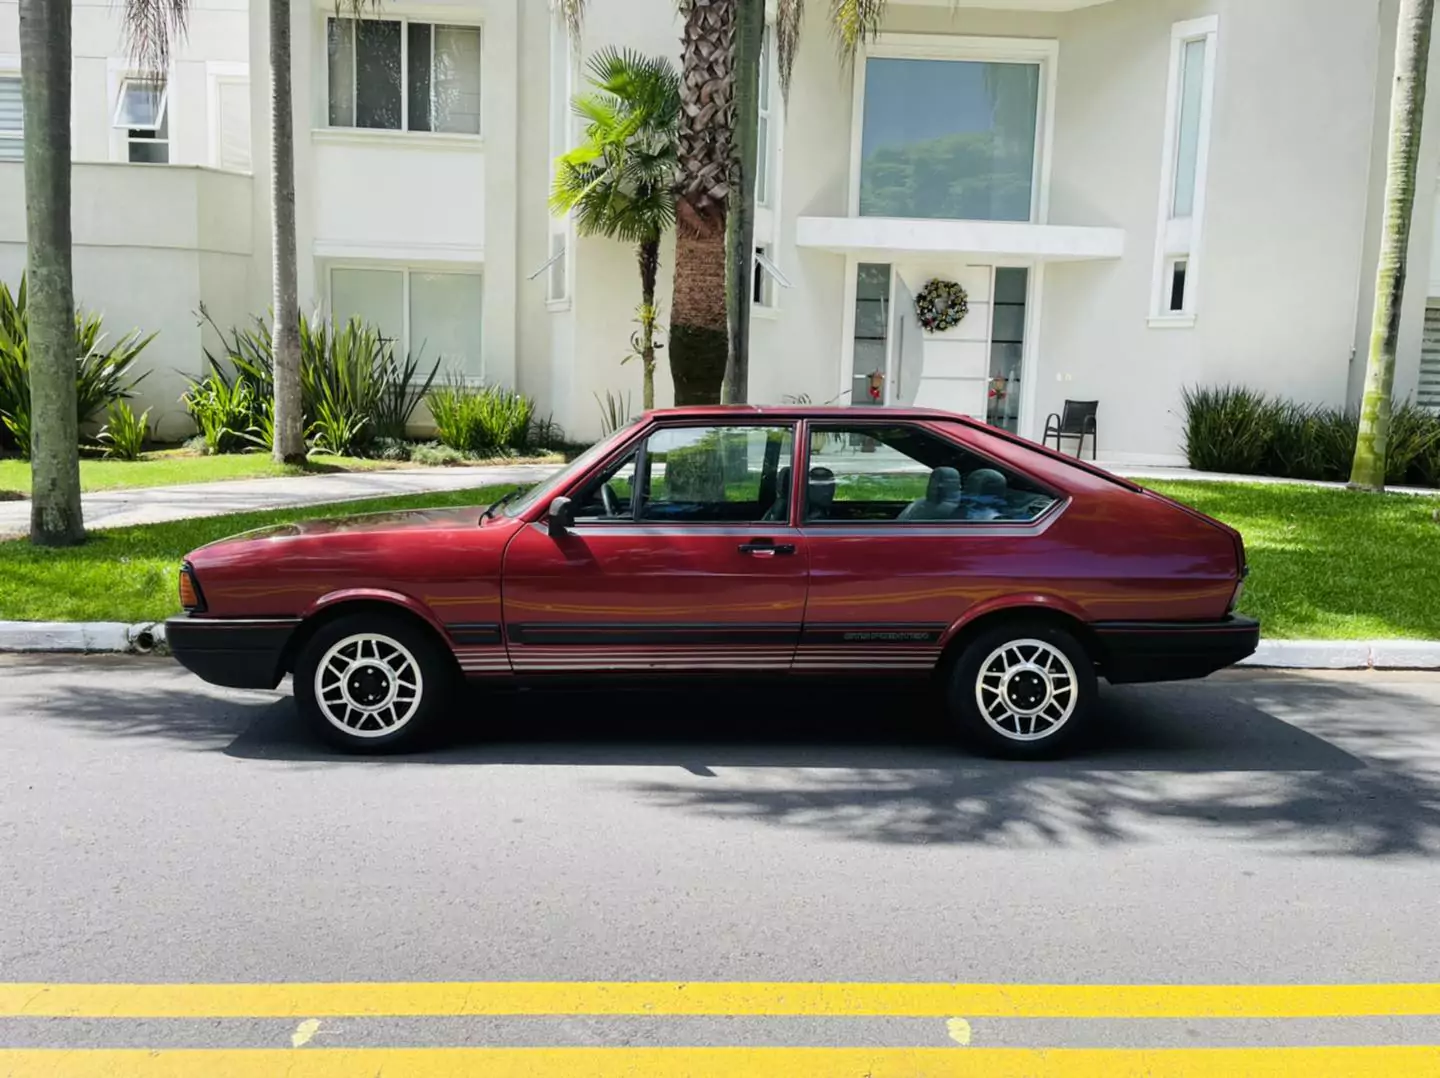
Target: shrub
x: 224, y: 413
x: 103, y: 374
x: 1228, y: 429
x: 1238, y: 430
x: 390, y: 449
x: 433, y: 454
x: 124, y: 434
x: 353, y: 388
x: 480, y: 419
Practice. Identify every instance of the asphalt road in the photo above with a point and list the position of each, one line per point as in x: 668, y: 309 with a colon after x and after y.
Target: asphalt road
x: 1254, y: 829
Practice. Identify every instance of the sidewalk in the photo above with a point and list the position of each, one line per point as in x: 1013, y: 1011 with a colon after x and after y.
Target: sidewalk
x: 154, y: 505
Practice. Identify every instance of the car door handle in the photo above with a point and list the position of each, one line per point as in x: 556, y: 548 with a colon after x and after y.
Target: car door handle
x: 766, y: 548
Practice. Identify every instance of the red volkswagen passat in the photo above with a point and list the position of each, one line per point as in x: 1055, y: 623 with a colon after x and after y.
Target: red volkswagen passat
x: 798, y: 542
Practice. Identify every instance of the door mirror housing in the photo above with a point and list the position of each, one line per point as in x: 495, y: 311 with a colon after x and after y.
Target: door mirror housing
x: 562, y: 516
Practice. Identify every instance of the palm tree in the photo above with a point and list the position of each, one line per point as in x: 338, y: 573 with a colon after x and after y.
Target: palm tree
x: 1407, y: 116
x: 55, y: 514
x: 289, y: 445
x: 711, y: 169
x: 621, y: 181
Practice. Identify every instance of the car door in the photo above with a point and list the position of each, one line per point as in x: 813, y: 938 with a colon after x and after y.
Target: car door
x: 907, y: 530
x: 682, y: 557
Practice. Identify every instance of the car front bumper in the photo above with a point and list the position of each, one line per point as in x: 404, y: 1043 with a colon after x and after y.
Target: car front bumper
x: 1139, y: 651
x: 240, y: 653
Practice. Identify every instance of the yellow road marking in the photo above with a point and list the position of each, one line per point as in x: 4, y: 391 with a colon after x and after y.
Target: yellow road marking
x: 303, y: 1032
x: 714, y: 998
x: 722, y: 1063
x: 959, y: 1030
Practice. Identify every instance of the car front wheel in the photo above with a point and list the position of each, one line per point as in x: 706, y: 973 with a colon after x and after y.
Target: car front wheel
x: 371, y: 684
x: 1023, y: 689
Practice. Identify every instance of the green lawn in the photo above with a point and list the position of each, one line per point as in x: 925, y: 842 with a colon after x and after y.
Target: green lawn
x: 128, y: 574
x: 1324, y: 563
x: 1331, y: 564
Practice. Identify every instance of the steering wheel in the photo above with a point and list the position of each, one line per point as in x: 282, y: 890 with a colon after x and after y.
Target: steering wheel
x: 607, y: 496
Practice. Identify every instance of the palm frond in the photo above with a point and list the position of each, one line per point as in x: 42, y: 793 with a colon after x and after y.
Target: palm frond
x: 573, y: 12
x: 151, y: 29
x: 854, y: 23
x: 789, y: 17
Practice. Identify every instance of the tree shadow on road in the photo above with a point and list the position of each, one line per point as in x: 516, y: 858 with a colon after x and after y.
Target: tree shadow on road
x: 1297, y: 764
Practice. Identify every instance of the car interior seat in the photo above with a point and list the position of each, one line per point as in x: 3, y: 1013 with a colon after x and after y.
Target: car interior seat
x: 821, y: 495
x: 942, y: 498
x: 780, y: 507
x: 984, y: 495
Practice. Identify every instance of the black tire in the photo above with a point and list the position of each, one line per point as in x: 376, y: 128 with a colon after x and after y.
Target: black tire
x: 376, y: 643
x: 1014, y: 728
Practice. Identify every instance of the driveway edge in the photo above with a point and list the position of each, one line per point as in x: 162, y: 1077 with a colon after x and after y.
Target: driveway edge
x: 143, y: 638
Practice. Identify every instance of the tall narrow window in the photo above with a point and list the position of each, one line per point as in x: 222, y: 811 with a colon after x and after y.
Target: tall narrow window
x: 1182, y: 193
x: 763, y: 127
x: 12, y: 120
x: 872, y: 332
x: 557, y: 289
x: 140, y: 111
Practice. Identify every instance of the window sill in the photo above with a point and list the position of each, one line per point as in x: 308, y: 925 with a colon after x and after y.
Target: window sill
x: 1171, y: 321
x: 555, y: 306
x: 410, y: 140
x: 767, y: 313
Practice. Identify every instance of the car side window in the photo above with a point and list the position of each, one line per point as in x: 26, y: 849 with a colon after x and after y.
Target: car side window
x: 609, y: 496
x: 716, y: 474
x: 904, y: 474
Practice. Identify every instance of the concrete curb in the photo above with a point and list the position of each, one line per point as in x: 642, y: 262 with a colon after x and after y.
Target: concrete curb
x: 144, y: 638
x: 83, y: 636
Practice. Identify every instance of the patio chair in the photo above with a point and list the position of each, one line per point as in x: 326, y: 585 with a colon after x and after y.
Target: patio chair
x: 1073, y: 424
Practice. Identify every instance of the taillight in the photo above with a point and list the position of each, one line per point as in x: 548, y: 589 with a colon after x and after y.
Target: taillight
x: 190, y: 599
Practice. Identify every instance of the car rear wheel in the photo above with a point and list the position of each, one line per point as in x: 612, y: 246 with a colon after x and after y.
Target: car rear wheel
x: 368, y: 683
x: 1023, y: 689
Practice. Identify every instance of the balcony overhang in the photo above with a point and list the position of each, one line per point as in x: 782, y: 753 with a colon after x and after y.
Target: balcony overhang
x: 887, y: 239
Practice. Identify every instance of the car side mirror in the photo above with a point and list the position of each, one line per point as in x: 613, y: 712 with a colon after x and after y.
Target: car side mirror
x: 562, y: 516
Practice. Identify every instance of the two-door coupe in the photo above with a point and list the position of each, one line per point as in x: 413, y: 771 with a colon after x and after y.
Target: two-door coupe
x: 731, y: 541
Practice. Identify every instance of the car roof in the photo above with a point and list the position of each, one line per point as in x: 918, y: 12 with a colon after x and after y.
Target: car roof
x: 804, y: 411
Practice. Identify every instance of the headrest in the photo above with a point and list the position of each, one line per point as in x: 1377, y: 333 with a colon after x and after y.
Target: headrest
x: 985, y: 482
x: 944, y: 486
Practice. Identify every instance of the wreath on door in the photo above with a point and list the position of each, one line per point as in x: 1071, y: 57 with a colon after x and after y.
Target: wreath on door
x: 941, y: 305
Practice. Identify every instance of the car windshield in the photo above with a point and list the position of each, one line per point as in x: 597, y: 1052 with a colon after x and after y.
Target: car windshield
x: 542, y: 492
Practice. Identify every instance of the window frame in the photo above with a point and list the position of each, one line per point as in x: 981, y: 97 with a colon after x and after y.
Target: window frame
x: 220, y: 73
x: 559, y: 228
x: 10, y: 69
x: 1041, y: 520
x: 1042, y: 52
x: 126, y: 132
x: 406, y: 269
x: 431, y: 17
x: 640, y: 449
x: 1178, y: 239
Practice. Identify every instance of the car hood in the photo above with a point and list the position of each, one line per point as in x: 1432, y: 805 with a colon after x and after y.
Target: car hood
x: 362, y: 523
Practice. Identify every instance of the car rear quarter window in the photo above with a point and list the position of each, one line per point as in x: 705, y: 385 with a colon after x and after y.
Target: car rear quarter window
x: 904, y: 474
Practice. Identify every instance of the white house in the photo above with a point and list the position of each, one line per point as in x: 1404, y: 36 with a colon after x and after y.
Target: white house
x: 1137, y: 195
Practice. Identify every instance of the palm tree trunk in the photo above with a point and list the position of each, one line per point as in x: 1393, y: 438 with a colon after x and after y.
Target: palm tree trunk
x: 1407, y: 116
x: 289, y: 421
x: 55, y: 515
x: 740, y: 216
x: 649, y: 256
x: 699, y: 326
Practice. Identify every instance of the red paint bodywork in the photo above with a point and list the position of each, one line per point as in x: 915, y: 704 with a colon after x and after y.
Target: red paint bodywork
x: 1108, y: 551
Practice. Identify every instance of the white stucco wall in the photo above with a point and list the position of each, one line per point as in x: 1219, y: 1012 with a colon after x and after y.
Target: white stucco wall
x: 151, y: 243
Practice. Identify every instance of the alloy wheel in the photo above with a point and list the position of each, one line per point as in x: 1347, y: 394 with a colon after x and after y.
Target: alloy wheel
x: 1026, y: 690
x: 368, y: 685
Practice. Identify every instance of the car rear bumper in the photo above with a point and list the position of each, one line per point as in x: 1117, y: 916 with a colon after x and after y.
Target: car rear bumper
x: 241, y: 653
x: 1137, y: 651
